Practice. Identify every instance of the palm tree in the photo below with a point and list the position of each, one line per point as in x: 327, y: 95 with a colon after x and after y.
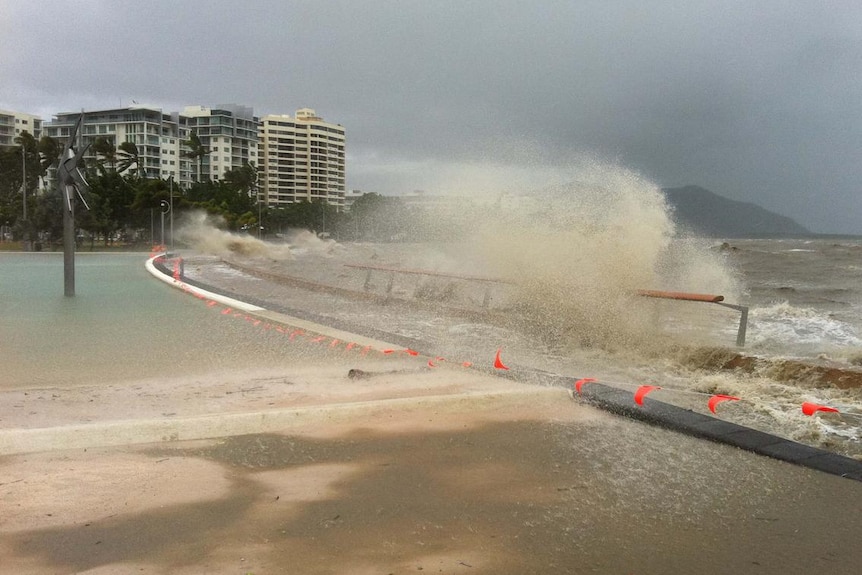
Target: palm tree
x: 128, y: 156
x: 49, y: 151
x: 243, y: 178
x: 196, y: 150
x: 106, y: 153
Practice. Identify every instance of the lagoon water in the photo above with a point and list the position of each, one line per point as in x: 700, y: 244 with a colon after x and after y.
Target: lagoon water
x: 121, y: 325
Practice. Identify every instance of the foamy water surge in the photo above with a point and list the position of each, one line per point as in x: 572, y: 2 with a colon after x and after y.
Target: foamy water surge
x: 571, y: 257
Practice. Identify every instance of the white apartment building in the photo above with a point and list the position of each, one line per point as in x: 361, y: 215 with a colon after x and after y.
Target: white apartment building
x: 13, y: 123
x: 229, y: 132
x: 158, y: 137
x: 301, y: 159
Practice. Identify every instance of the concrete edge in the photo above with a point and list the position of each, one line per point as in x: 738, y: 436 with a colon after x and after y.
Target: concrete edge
x: 152, y: 267
x: 699, y: 425
x: 162, y: 273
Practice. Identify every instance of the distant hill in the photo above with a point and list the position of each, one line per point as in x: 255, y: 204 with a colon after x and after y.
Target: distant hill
x: 711, y: 215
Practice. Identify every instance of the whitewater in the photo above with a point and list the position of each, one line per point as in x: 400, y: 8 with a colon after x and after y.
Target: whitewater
x: 567, y: 261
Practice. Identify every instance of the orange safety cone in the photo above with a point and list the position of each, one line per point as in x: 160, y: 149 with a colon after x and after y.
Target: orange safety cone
x: 498, y: 363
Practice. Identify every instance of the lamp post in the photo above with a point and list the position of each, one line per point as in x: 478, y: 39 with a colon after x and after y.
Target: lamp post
x: 24, y: 179
x: 171, y: 208
x: 24, y: 193
x: 259, y: 216
x: 166, y: 207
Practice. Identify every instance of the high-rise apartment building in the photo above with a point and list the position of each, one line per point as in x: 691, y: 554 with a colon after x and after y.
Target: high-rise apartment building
x: 228, y: 133
x: 298, y: 158
x: 157, y: 136
x: 301, y: 159
x: 13, y: 123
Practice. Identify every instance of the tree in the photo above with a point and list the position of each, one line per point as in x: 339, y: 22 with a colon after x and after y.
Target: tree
x: 128, y: 156
x: 49, y: 153
x: 196, y: 151
x: 243, y: 178
x: 224, y: 199
x: 110, y: 199
x: 106, y: 153
x: 378, y: 217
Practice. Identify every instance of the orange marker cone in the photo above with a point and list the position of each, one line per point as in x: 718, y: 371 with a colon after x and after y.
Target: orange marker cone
x: 497, y: 362
x: 809, y: 408
x: 580, y: 383
x: 642, y: 392
x: 718, y: 398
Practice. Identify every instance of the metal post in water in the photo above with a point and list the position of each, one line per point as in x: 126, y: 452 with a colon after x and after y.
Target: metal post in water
x: 69, y: 246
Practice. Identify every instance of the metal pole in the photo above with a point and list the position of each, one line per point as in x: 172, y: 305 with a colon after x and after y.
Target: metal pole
x: 24, y: 179
x: 259, y: 216
x: 172, y: 212
x: 24, y: 193
x: 69, y: 244
x: 743, y: 321
x: 166, y: 207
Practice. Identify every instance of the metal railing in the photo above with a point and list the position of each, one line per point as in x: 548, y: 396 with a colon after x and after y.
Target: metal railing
x: 706, y: 298
x: 681, y: 296
x: 392, y: 271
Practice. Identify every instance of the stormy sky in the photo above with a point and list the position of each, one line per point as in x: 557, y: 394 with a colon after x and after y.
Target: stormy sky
x: 756, y: 101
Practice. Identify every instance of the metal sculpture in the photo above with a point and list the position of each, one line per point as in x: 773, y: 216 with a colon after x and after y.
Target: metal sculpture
x: 71, y: 183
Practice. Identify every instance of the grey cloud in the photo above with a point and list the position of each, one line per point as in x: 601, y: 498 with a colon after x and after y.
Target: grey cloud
x: 755, y: 100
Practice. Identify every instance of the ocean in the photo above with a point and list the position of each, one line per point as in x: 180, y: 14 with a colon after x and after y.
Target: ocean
x: 805, y: 296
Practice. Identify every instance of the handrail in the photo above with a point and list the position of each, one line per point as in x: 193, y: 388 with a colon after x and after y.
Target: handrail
x: 707, y: 298
x: 428, y: 273
x: 681, y: 295
x: 393, y: 271
x: 660, y: 294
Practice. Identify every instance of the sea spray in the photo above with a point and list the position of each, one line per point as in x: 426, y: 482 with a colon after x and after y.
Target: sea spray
x: 203, y: 233
x: 577, y: 252
x: 573, y: 252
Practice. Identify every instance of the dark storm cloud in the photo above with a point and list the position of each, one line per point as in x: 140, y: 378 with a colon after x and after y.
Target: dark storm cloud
x: 757, y: 101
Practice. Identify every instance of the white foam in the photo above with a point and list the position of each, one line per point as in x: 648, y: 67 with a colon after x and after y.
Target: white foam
x: 784, y: 325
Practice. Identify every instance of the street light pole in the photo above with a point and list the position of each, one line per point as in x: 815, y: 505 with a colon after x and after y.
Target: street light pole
x: 172, y: 212
x: 166, y: 207
x: 24, y: 179
x: 259, y: 212
x: 24, y: 193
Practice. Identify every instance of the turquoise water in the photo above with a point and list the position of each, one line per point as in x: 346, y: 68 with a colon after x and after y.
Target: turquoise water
x: 122, y: 324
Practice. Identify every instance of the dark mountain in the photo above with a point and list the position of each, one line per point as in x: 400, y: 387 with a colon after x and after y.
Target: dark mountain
x: 708, y: 214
